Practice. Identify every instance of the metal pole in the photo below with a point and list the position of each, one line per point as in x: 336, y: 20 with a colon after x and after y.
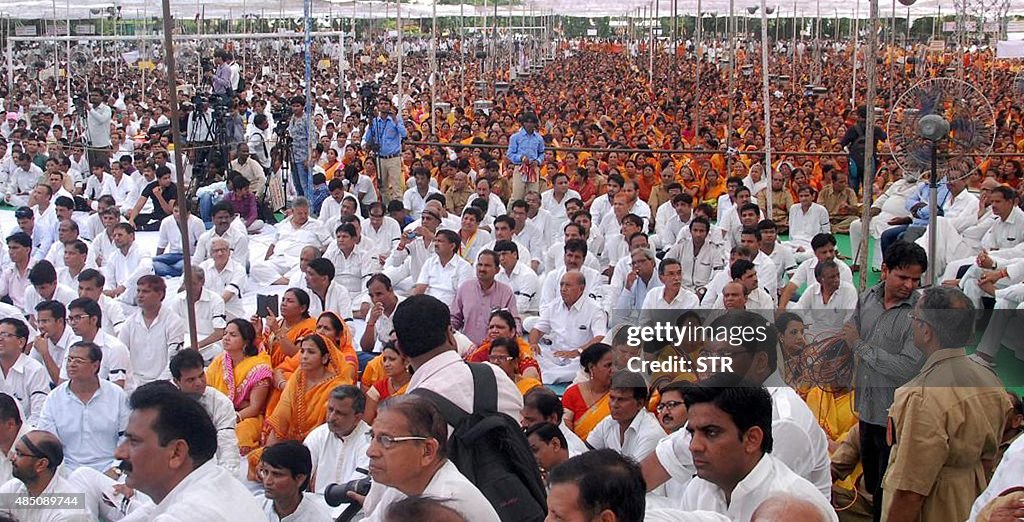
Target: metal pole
x: 67, y: 72
x: 731, y: 35
x: 401, y: 54
x: 462, y: 52
x: 933, y: 202
x: 184, y: 213
x: 767, y: 106
x: 307, y: 44
x: 433, y: 67
x: 869, y: 136
x: 856, y: 43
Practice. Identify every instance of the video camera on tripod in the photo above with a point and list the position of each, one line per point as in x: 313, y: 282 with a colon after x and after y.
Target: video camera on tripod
x: 368, y: 94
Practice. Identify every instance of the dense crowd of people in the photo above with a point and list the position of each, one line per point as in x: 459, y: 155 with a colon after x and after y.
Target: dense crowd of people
x: 345, y: 269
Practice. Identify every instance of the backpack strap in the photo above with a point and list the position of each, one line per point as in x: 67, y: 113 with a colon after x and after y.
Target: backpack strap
x: 452, y: 414
x: 485, y: 389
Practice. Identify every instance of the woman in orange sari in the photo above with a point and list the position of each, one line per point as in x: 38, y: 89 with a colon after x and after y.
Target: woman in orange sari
x: 398, y: 373
x: 331, y: 327
x: 586, y: 403
x: 502, y: 324
x: 242, y: 372
x: 303, y: 404
x: 280, y: 338
x: 505, y: 355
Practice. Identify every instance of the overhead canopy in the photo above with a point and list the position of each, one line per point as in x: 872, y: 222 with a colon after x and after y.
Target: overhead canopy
x: 363, y: 9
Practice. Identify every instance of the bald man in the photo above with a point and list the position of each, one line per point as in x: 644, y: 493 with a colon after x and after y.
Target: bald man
x: 35, y: 457
x: 788, y: 508
x: 566, y: 327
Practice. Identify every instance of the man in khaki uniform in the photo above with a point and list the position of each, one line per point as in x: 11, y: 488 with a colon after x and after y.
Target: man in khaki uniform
x: 458, y: 194
x: 945, y: 425
x: 840, y: 201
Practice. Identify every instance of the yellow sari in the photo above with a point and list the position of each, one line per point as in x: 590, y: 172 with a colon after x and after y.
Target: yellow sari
x: 300, y: 409
x: 281, y: 361
x: 525, y: 384
x: 237, y: 381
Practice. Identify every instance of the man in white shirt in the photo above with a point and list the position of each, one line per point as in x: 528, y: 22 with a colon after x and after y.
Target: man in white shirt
x: 800, y: 444
x: 1001, y: 244
x: 87, y: 412
x: 169, y: 259
x: 75, y: 260
x: 495, y: 207
x: 380, y: 233
x: 736, y: 470
x: 889, y: 206
x: 767, y: 272
x: 325, y: 293
x: 14, y: 275
x: 806, y: 220
x: 188, y: 485
x: 36, y: 458
x: 823, y: 247
x: 515, y: 273
x: 779, y: 253
x: 407, y: 459
x: 415, y: 198
x: 379, y: 327
x: 829, y: 302
x: 188, y: 371
x: 55, y: 338
x: 85, y: 317
x: 11, y: 429
x: 699, y: 256
x: 22, y: 377
x: 44, y: 287
x: 126, y: 265
x: 567, y: 326
x: 153, y: 334
x: 22, y: 180
x: 757, y: 299
x: 670, y: 295
x: 629, y: 428
x: 338, y: 446
x: 445, y: 270
x: 226, y: 277
x: 574, y: 255
x: 44, y: 231
x: 353, y: 265
x: 284, y: 471
x: 675, y: 227
x: 211, y: 319
x: 68, y: 234
x: 90, y: 285
x: 224, y: 228
x: 293, y: 235
x: 554, y: 252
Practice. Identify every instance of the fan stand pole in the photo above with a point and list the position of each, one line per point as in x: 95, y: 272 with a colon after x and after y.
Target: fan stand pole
x: 933, y: 185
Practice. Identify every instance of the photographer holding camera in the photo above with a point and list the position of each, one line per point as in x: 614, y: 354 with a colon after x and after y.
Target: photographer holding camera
x: 384, y: 138
x: 97, y: 131
x: 261, y: 141
x: 302, y: 162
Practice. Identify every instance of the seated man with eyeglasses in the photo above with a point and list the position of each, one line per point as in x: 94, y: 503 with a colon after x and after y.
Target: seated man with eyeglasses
x: 35, y: 458
x: 407, y: 458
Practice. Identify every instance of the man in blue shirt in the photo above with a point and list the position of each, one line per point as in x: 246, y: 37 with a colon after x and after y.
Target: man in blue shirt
x: 385, y: 137
x: 526, y: 151
x: 910, y: 228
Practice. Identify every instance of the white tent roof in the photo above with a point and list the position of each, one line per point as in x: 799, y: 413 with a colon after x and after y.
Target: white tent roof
x: 33, y: 9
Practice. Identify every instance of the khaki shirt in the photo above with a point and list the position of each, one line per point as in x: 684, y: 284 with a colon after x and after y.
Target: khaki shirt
x: 831, y: 200
x: 944, y: 423
x: 456, y: 199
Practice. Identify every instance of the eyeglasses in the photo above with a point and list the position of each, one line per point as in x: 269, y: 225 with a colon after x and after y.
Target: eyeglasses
x: 499, y: 358
x: 76, y: 318
x: 79, y: 360
x: 669, y: 405
x: 18, y: 454
x: 387, y: 442
x: 914, y: 317
x: 8, y: 335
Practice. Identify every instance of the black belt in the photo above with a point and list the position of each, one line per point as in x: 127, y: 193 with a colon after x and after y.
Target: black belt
x: 389, y: 157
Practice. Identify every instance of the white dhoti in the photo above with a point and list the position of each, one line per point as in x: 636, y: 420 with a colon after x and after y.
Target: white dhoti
x: 950, y: 245
x: 797, y: 244
x: 553, y: 369
x: 1005, y: 328
x: 264, y: 273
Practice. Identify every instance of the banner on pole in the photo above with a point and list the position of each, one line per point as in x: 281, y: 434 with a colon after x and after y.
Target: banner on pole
x: 85, y: 29
x: 26, y: 30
